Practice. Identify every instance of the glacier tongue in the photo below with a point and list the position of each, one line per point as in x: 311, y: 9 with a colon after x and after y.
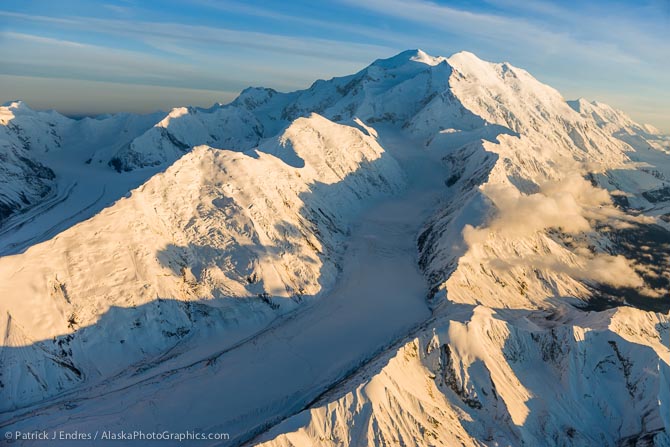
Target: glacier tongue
x: 432, y: 251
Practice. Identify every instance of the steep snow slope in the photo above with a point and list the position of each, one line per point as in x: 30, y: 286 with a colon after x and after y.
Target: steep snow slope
x: 251, y: 234
x: 548, y: 289
x: 647, y: 188
x: 184, y: 128
x: 533, y: 178
x: 619, y: 125
x: 502, y: 377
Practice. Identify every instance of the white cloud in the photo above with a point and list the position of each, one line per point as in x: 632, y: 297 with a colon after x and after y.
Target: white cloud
x: 564, y: 204
x: 570, y: 205
x: 616, y: 271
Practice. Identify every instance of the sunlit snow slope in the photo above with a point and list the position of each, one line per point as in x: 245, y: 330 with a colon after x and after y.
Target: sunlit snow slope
x: 432, y: 251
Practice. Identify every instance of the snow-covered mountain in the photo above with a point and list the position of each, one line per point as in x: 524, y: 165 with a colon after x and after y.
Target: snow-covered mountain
x: 54, y: 172
x: 254, y: 233
x: 24, y: 135
x: 432, y: 251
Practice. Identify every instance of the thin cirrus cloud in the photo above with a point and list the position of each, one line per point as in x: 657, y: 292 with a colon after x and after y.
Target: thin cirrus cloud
x: 174, y: 56
x: 616, y: 52
x: 209, y: 36
x: 368, y: 32
x: 178, y: 55
x: 32, y: 54
x: 516, y: 35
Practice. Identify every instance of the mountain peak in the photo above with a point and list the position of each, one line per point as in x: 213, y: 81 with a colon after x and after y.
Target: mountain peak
x: 467, y: 59
x: 11, y: 109
x: 465, y: 54
x: 407, y: 57
x: 423, y: 57
x: 15, y: 104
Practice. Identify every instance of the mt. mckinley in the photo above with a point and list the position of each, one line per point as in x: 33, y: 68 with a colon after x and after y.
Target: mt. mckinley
x: 430, y: 252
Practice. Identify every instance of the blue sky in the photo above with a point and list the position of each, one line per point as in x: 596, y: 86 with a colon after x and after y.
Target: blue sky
x: 87, y: 57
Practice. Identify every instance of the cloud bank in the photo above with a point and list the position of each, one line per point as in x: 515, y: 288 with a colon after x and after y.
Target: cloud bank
x: 571, y: 205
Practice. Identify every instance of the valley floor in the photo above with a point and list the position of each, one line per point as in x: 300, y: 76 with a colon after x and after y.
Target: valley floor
x: 81, y: 194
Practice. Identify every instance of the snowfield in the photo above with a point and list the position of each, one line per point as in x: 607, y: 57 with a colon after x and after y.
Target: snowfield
x: 430, y: 252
